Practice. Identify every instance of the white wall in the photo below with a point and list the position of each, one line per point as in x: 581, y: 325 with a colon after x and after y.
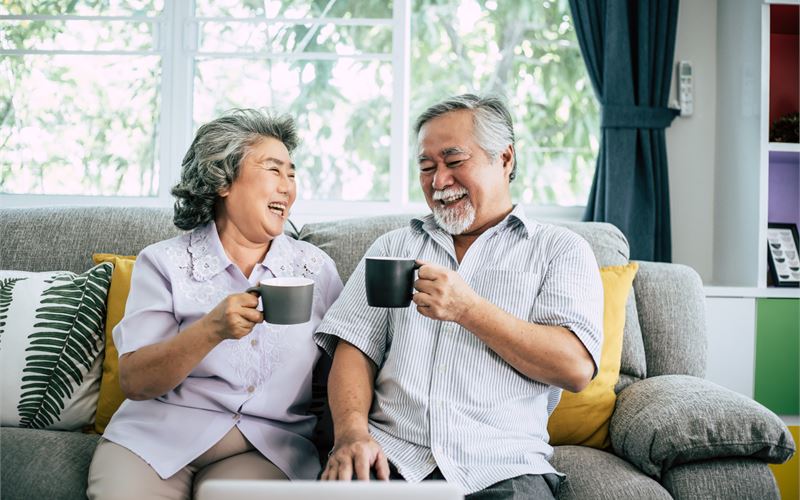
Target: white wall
x: 690, y: 141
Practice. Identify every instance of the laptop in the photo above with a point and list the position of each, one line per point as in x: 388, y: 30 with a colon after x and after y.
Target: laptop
x: 236, y: 489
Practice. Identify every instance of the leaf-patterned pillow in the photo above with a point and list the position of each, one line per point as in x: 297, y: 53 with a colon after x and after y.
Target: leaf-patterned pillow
x: 51, y: 344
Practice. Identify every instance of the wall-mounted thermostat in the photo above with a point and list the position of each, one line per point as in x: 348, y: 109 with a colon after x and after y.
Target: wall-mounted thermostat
x: 685, y: 88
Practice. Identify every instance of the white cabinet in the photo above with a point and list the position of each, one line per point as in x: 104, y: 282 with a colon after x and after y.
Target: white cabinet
x: 731, y: 327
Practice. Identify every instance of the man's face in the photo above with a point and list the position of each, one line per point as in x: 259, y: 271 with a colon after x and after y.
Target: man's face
x: 463, y: 187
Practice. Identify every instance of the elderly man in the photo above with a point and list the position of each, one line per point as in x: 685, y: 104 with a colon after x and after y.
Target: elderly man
x: 508, y: 312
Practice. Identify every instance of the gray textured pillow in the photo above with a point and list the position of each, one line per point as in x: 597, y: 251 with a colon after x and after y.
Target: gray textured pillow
x: 673, y: 419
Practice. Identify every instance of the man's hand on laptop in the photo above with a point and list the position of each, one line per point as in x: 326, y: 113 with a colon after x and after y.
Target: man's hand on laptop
x: 354, y: 456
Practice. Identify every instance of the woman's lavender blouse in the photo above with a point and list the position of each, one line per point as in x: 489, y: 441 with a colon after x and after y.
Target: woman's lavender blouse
x: 260, y: 383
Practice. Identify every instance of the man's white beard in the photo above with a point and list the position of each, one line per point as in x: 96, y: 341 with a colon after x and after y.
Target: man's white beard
x: 453, y: 220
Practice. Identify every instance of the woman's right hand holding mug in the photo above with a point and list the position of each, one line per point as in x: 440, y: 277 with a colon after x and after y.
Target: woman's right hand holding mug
x: 235, y: 316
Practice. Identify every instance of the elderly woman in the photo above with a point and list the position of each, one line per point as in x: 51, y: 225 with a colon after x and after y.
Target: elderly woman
x: 214, y: 391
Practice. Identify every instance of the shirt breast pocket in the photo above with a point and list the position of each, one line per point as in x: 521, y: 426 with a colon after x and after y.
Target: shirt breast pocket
x: 511, y: 291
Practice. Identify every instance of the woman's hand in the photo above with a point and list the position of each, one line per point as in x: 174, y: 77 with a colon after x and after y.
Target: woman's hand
x: 234, y: 317
x: 156, y: 369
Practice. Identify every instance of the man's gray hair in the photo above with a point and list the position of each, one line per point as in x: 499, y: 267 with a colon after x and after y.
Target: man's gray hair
x: 494, y: 129
x: 212, y: 162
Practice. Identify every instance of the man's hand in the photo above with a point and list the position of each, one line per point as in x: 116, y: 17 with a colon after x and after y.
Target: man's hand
x: 357, y: 454
x: 442, y: 294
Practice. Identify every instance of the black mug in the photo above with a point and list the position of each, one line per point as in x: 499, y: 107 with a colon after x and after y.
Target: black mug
x: 286, y: 301
x: 390, y: 281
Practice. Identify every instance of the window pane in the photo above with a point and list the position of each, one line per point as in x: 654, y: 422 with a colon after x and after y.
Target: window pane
x: 76, y: 35
x: 83, y: 125
x: 83, y: 7
x: 342, y: 108
x: 528, y: 52
x: 295, y: 9
x: 289, y: 37
x: 554, y: 175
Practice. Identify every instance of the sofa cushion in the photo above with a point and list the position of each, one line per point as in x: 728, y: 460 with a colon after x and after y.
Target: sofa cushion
x: 346, y: 241
x: 51, y: 343
x: 672, y: 312
x: 111, y: 395
x: 44, y: 464
x: 609, y: 245
x: 597, y: 474
x: 633, y: 366
x: 582, y: 418
x: 670, y: 420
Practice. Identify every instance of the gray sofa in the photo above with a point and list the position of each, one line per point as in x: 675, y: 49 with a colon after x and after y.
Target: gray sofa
x: 673, y: 433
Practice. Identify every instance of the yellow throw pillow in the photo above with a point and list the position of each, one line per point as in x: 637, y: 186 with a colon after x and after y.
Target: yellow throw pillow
x: 110, y: 392
x: 582, y: 418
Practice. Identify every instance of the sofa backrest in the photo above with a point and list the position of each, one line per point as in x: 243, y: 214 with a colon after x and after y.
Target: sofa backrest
x: 64, y: 238
x: 47, y: 239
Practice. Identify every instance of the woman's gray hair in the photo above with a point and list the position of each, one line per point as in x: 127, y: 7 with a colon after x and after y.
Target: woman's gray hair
x: 212, y: 162
x: 494, y: 129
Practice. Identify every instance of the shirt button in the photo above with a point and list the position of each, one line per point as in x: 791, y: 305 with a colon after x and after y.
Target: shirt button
x: 442, y: 368
x: 251, y: 388
x: 254, y: 342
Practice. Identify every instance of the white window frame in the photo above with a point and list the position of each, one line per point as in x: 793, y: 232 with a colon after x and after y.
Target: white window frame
x: 178, y: 51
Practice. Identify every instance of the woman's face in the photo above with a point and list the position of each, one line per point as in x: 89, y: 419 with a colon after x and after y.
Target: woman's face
x: 259, y: 199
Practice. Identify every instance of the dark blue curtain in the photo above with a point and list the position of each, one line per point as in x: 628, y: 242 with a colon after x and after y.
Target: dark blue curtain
x: 628, y: 47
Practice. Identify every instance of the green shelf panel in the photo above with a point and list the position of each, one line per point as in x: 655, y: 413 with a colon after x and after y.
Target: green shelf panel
x: 777, y: 380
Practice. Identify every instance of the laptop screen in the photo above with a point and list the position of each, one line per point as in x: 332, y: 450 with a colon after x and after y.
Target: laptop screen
x: 218, y: 489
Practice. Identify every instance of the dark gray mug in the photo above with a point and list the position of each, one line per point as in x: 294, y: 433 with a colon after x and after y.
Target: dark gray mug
x: 390, y: 281
x: 286, y: 301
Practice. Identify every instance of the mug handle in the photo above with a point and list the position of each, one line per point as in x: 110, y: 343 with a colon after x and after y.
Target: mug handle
x: 254, y: 289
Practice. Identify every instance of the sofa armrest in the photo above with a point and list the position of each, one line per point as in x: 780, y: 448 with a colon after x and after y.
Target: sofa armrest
x: 665, y: 421
x: 735, y: 477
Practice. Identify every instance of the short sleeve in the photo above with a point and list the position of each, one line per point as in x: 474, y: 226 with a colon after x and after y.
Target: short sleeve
x: 149, y: 313
x: 330, y: 284
x: 352, y: 320
x: 571, y: 295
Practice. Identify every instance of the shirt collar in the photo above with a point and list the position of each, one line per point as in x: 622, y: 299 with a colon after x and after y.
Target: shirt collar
x: 208, y: 257
x: 279, y: 257
x: 515, y: 219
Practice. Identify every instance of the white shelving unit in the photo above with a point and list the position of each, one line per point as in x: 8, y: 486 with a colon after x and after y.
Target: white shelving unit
x: 783, y: 147
x: 743, y: 153
x: 752, y: 328
x: 742, y: 190
x: 767, y: 147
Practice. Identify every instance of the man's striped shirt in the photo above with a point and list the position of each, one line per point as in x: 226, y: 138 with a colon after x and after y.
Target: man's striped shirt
x: 442, y: 396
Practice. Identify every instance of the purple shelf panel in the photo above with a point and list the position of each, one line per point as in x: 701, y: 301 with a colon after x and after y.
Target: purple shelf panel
x: 784, y: 187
